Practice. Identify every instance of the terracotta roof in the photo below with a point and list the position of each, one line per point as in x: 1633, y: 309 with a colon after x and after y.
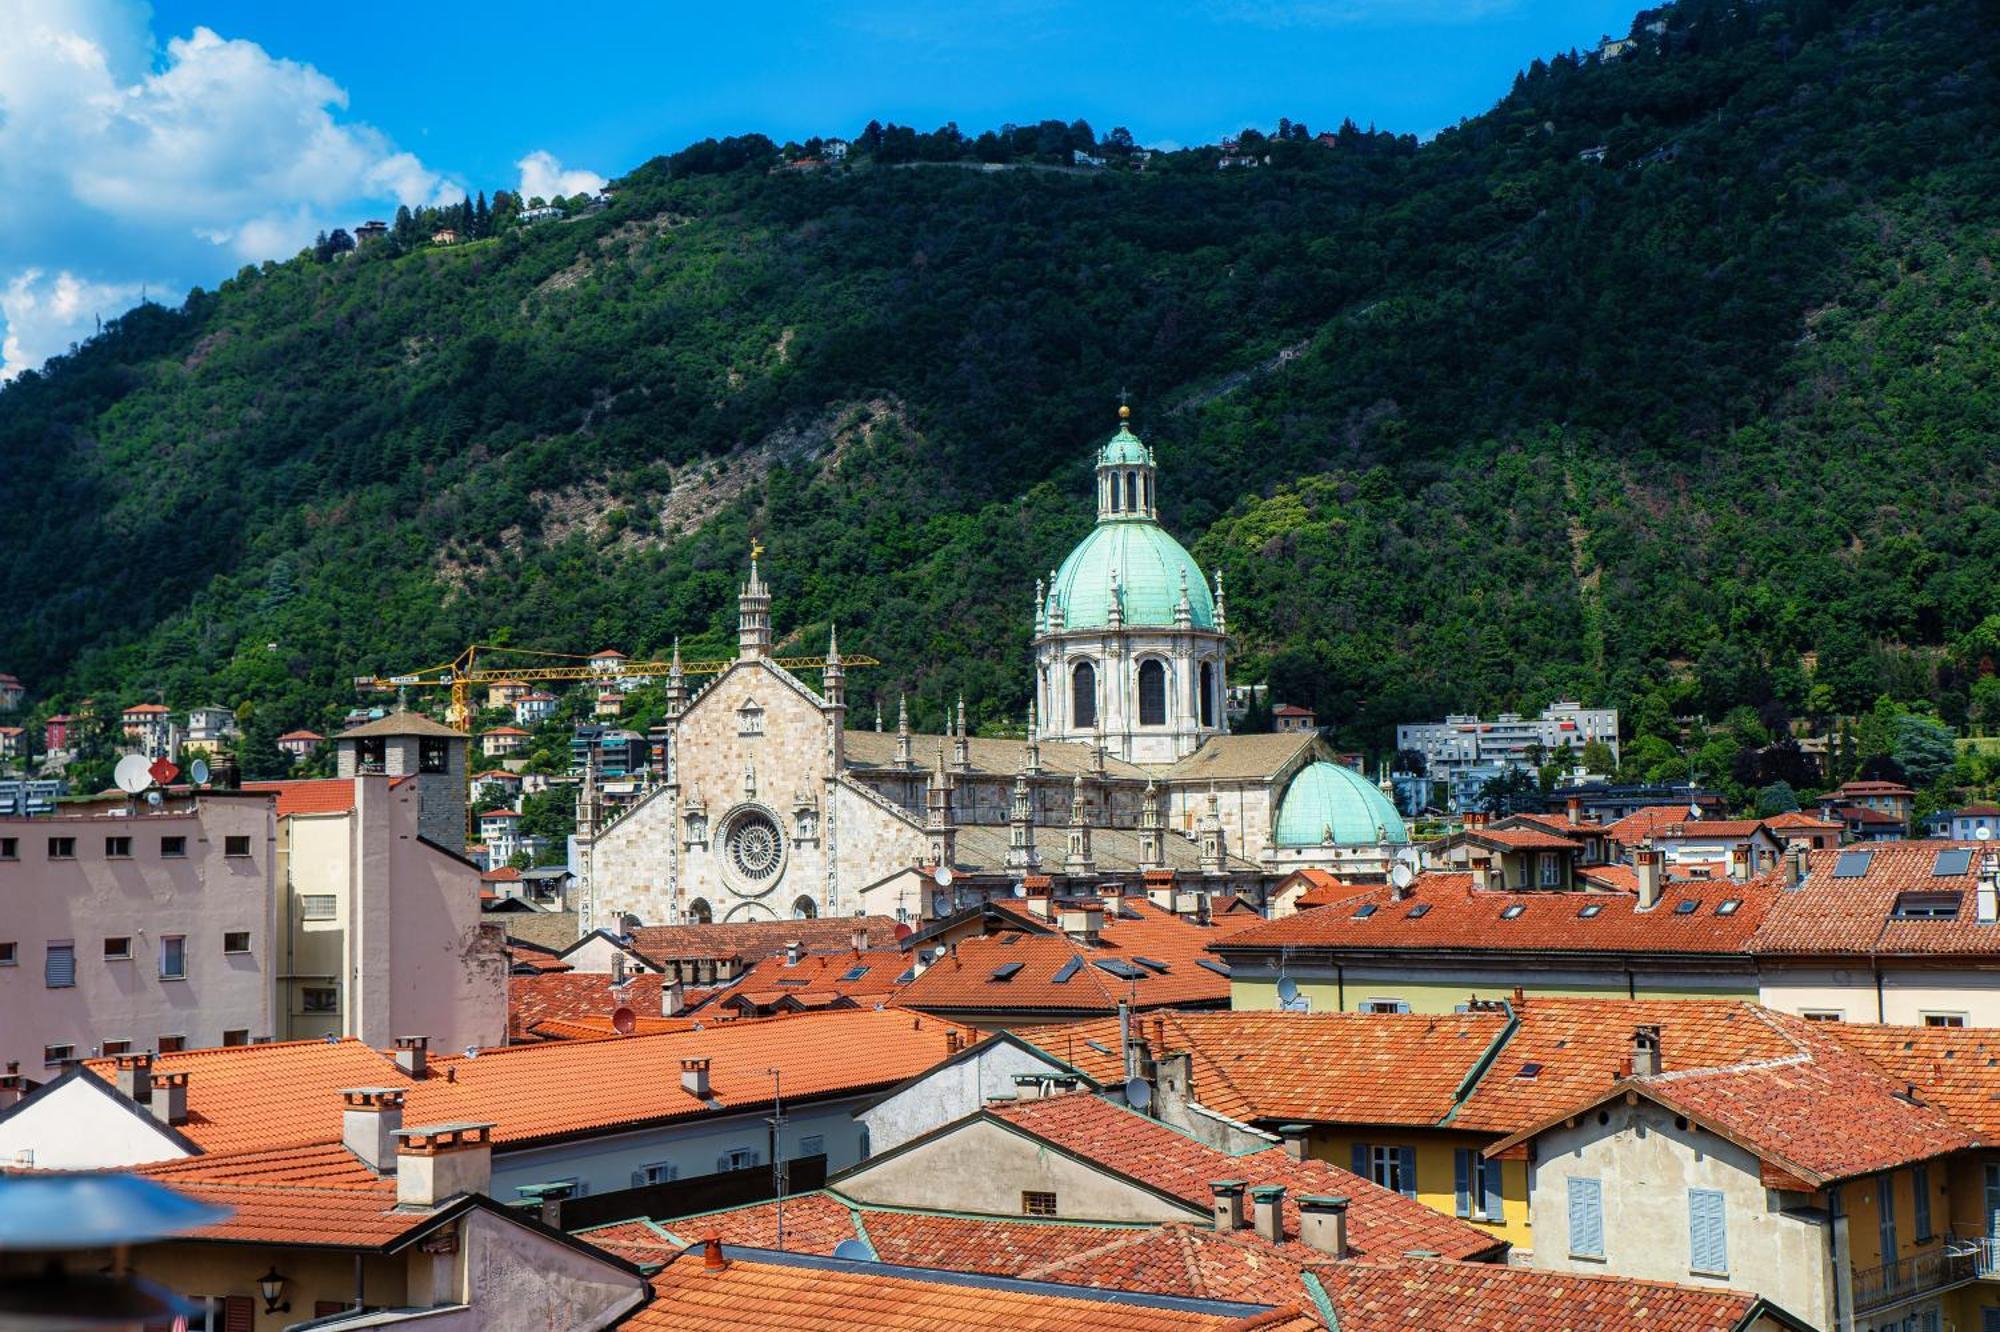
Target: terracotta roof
x: 1979, y: 809
x: 761, y: 938
x: 1701, y: 828
x: 1856, y: 913
x: 1852, y: 790
x: 302, y: 735
x: 1380, y: 1223
x: 314, y: 1194
x: 400, y: 723
x: 147, y: 709
x: 499, y: 814
x: 1325, y: 888
x: 1614, y: 878
x: 502, y: 874
x: 496, y: 774
x: 1864, y: 815
x: 323, y: 795
x: 259, y: 1096
x: 1243, y: 757
x: 1485, y: 1297
x: 1357, y: 1068
x: 1954, y: 1068
x: 816, y: 980
x: 1637, y: 826
x: 756, y: 1290
x: 1560, y: 824
x: 1520, y: 839
x: 1797, y: 820
x: 504, y: 730
x: 570, y: 995
x: 1446, y: 912
x: 1144, y: 953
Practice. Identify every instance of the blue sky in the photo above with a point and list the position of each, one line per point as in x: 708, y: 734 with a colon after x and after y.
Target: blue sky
x: 154, y: 148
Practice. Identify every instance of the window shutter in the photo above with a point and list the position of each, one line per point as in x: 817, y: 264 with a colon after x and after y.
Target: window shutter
x: 1708, y: 1242
x: 1885, y: 1202
x: 61, y: 970
x: 1920, y: 1183
x: 638, y: 1179
x: 1461, y: 1169
x: 1586, y: 1218
x: 1360, y: 1159
x: 1495, y: 1202
x: 1406, y: 1161
x: 239, y: 1314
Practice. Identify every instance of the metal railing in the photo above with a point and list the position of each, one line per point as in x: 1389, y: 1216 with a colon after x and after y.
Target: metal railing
x: 1955, y: 1257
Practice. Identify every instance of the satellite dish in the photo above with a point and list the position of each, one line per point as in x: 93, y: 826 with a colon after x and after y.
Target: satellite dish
x: 1288, y: 989
x: 1401, y: 875
x: 903, y: 932
x: 472, y: 1052
x: 155, y: 799
x: 1138, y: 1093
x: 943, y: 876
x: 623, y: 1022
x: 941, y: 904
x: 1020, y: 890
x: 198, y: 772
x: 1983, y: 834
x: 855, y: 1251
x: 133, y: 774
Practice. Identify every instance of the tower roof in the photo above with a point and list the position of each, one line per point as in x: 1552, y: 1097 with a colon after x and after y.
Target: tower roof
x: 1149, y: 566
x: 400, y: 722
x: 1124, y: 447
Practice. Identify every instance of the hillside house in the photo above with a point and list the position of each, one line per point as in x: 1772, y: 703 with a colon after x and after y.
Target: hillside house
x: 209, y: 730
x: 11, y: 692
x: 533, y: 708
x: 300, y: 744
x: 502, y: 741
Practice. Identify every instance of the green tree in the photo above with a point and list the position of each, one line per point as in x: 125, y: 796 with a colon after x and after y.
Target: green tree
x: 1777, y: 798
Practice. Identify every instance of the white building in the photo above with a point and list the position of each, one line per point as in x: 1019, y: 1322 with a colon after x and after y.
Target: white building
x: 1463, y: 742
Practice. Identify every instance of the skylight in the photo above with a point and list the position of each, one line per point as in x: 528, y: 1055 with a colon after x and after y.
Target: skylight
x: 1219, y: 968
x: 1419, y: 910
x: 1531, y: 1069
x: 1852, y: 864
x: 1926, y: 906
x: 855, y: 973
x: 1687, y: 906
x: 1152, y: 963
x: 1120, y: 968
x: 1005, y: 971
x: 1513, y: 911
x: 1066, y: 970
x: 1364, y: 911
x: 1955, y: 861
x: 1727, y: 906
x: 908, y: 975
x: 1587, y: 912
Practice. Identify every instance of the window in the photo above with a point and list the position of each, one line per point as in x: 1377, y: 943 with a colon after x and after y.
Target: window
x: 173, y: 957
x: 1394, y: 1168
x: 236, y: 1036
x: 1478, y: 1181
x: 1920, y: 1188
x: 173, y: 848
x: 1728, y: 906
x: 10, y: 954
x: 1823, y: 1014
x: 1385, y: 1006
x: 812, y: 1144
x: 1586, y: 1218
x: 1208, y: 694
x: 1944, y: 1019
x: 10, y: 848
x: 62, y: 848
x: 235, y: 846
x: 117, y: 948
x: 116, y: 1048
x: 54, y: 1056
x: 59, y: 970
x: 1708, y: 1237
x: 1131, y: 490
x: 1513, y: 911
x: 737, y: 1158
x: 1548, y: 870
x: 316, y: 906
x: 172, y: 1044
x: 1591, y: 910
x: 1035, y: 1202
x: 1885, y: 1204
x: 655, y: 1172
x: 236, y: 941
x: 1152, y: 693
x: 319, y: 999
x: 433, y: 754
x: 1083, y: 696
x: 1926, y: 906
x: 117, y: 848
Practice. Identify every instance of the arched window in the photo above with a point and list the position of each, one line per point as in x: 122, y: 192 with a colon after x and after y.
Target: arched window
x: 700, y: 913
x: 1149, y: 492
x: 1152, y: 693
x: 803, y: 909
x: 1208, y: 694
x: 1083, y: 696
x: 1131, y: 490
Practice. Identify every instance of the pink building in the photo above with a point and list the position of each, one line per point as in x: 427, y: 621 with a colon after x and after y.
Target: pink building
x: 11, y: 692
x: 56, y: 733
x: 301, y: 744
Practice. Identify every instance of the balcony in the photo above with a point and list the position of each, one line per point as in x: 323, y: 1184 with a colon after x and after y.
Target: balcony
x: 1953, y: 1259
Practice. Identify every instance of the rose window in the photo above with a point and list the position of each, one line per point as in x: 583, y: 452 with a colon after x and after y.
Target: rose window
x: 756, y: 847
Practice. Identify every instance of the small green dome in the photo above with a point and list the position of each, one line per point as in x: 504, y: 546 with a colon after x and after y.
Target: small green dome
x: 1149, y: 564
x: 1122, y: 448
x: 1327, y: 796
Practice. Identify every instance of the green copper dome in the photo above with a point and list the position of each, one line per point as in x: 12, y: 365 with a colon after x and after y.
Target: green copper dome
x: 1328, y: 796
x: 1122, y: 448
x: 1149, y: 564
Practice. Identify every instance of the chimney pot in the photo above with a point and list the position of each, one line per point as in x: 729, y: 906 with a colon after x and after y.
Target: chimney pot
x: 1295, y: 1136
x: 672, y: 999
x: 413, y: 1054
x: 1647, y: 864
x: 133, y: 1076
x: 1323, y: 1223
x: 711, y: 1254
x: 441, y: 1161
x: 860, y: 940
x: 369, y: 1119
x: 694, y: 1078
x: 1645, y: 1051
x: 170, y: 1098
x: 1228, y: 1203
x: 1269, y: 1203
x: 793, y: 952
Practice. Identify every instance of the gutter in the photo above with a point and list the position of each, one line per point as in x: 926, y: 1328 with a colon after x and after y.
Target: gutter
x: 1483, y: 1063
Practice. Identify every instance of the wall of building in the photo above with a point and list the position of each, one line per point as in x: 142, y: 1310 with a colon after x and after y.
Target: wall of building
x: 939, y: 1174
x: 79, y: 1127
x: 144, y: 897
x: 520, y: 1281
x: 1646, y: 1162
x: 1437, y: 1172
x: 316, y: 859
x: 1446, y: 990
x: 948, y: 1093
x: 1905, y: 995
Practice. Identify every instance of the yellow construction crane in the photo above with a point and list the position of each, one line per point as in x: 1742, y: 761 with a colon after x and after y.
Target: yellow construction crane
x: 463, y: 672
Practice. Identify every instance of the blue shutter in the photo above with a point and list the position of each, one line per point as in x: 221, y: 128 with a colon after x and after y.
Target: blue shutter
x: 1360, y: 1159
x: 60, y: 970
x: 1495, y: 1204
x: 1708, y: 1237
x: 1920, y: 1183
x: 1461, y: 1169
x: 1885, y: 1203
x: 1406, y: 1168
x: 1586, y: 1218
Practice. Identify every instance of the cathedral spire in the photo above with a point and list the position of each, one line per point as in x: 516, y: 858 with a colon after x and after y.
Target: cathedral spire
x: 1152, y: 851
x: 1021, y: 827
x: 938, y: 829
x: 1079, y: 863
x: 676, y: 683
x: 753, y: 612
x: 1034, y: 740
x: 833, y: 676
x: 961, y: 745
x: 904, y: 758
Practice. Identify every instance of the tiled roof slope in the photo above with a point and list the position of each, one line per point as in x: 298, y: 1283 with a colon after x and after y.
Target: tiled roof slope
x: 755, y: 939
x: 757, y: 1290
x: 995, y: 757
x: 315, y: 1195
x: 1446, y: 912
x: 1484, y: 1297
x: 278, y: 1095
x: 1196, y: 1261
x: 1855, y: 915
x: 309, y: 795
x: 1640, y: 824
x: 1956, y: 1069
x: 1798, y: 821
x: 1356, y: 1068
x: 567, y: 996
x: 979, y: 974
x: 1380, y: 1223
x: 816, y: 980
x: 1243, y: 757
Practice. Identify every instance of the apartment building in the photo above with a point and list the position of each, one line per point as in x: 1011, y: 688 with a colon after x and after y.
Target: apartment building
x: 131, y: 926
x: 1465, y: 742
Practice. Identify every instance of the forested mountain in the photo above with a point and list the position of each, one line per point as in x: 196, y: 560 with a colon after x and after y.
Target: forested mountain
x: 1707, y: 418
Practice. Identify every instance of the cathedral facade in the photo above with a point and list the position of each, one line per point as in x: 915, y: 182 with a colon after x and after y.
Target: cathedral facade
x: 771, y: 808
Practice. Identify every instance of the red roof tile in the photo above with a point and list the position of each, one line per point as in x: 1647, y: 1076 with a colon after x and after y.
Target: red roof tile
x: 755, y: 939
x: 1796, y: 820
x: 1637, y: 826
x: 1857, y: 914
x: 1693, y: 829
x: 1484, y: 1297
x: 1521, y: 839
x: 533, y: 1001
x: 314, y: 1195
x: 322, y: 795
x: 815, y: 980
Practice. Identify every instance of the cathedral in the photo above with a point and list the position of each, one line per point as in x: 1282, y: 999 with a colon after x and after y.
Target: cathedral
x: 772, y: 808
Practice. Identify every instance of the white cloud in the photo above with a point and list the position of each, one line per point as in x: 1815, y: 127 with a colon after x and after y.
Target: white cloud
x: 542, y: 175
x: 118, y: 156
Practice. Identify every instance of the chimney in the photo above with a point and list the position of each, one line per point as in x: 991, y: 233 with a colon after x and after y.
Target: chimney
x: 1573, y: 809
x: 442, y: 1161
x: 1645, y: 1051
x: 1795, y: 866
x: 859, y: 939
x: 1228, y: 1203
x: 10, y: 1090
x: 1082, y: 920
x: 133, y: 1076
x: 1986, y: 892
x: 1323, y: 1223
x: 413, y: 1054
x: 1399, y: 891
x: 1647, y: 864
x: 672, y: 999
x: 1269, y: 1203
x: 694, y: 1078
x: 1739, y: 863
x: 711, y: 1254
x: 369, y: 1120
x: 793, y: 952
x: 1295, y: 1139
x: 170, y: 1098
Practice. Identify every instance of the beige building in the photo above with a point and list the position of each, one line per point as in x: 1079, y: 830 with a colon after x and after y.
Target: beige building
x: 133, y: 926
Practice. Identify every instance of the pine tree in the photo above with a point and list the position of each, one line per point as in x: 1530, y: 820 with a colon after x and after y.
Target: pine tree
x: 482, y: 220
